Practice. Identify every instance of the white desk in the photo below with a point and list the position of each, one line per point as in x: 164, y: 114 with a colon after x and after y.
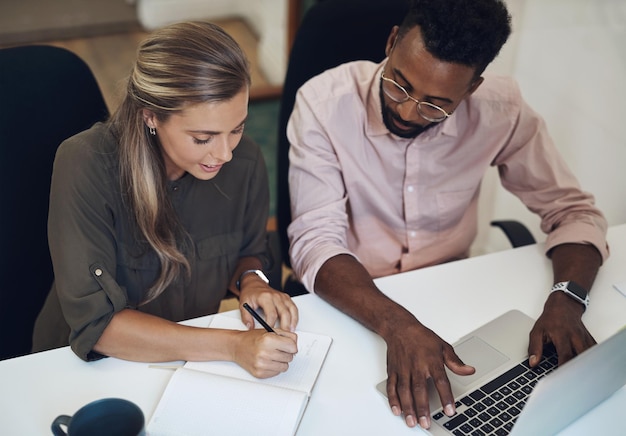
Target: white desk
x: 37, y: 388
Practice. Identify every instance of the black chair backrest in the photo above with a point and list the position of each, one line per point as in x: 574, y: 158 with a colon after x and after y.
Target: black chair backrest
x: 332, y: 32
x: 47, y: 94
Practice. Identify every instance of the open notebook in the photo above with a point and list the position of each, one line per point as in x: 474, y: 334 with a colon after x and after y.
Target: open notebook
x: 223, y: 398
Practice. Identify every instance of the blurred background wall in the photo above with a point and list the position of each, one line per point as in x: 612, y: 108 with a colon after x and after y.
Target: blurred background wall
x: 569, y: 59
x: 568, y: 56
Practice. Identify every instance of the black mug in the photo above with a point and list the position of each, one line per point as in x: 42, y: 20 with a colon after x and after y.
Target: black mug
x: 109, y: 416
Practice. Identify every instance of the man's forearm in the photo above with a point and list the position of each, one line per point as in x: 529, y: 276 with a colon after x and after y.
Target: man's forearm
x: 345, y: 283
x: 576, y: 262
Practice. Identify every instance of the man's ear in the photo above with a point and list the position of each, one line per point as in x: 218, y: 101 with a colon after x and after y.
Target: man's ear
x: 149, y: 118
x: 475, y: 84
x: 391, y: 40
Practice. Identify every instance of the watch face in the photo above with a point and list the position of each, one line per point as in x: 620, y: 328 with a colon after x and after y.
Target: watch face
x: 578, y: 290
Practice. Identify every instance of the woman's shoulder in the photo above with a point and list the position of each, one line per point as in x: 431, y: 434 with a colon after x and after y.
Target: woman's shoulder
x: 89, y: 157
x: 95, y: 146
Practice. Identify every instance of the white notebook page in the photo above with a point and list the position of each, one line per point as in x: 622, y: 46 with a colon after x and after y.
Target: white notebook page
x: 303, y: 369
x: 196, y: 403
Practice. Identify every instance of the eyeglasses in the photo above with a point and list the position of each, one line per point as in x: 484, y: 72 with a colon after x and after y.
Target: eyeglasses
x: 426, y: 110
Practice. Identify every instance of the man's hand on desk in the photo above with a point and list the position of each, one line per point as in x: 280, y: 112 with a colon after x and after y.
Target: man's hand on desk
x: 560, y: 324
x: 414, y: 355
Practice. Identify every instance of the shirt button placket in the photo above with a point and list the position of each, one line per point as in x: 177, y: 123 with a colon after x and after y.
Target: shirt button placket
x: 411, y: 199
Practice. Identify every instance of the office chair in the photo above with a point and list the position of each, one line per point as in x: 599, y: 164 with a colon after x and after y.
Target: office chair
x: 333, y: 32
x: 47, y: 94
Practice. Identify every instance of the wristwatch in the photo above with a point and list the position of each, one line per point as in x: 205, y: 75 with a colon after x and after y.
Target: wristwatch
x: 258, y: 272
x: 574, y: 290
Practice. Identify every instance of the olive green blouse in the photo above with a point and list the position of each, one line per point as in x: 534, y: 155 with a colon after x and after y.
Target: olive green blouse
x: 101, y: 266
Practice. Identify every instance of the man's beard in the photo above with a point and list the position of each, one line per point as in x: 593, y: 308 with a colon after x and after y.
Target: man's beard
x: 412, y: 130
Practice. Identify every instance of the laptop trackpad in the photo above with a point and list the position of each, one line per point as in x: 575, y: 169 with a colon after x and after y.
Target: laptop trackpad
x: 479, y: 354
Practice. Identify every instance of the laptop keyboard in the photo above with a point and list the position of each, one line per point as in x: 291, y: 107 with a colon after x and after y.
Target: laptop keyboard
x: 493, y: 408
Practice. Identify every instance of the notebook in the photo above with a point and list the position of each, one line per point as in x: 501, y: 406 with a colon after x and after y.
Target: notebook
x: 222, y: 398
x: 503, y: 398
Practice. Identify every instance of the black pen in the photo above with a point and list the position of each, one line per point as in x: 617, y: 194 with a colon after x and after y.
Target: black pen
x: 258, y: 318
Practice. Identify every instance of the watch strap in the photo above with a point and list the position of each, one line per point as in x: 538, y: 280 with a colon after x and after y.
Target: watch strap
x: 573, y: 290
x: 258, y: 272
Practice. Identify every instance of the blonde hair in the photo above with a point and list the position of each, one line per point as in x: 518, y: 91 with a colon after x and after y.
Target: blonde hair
x: 177, y: 66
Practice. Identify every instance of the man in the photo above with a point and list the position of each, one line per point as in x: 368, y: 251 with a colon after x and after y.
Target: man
x: 386, y: 164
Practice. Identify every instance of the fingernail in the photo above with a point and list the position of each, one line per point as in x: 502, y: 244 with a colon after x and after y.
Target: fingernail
x: 248, y: 325
x: 410, y: 421
x: 532, y: 360
x: 424, y: 422
x: 449, y: 410
x: 395, y: 410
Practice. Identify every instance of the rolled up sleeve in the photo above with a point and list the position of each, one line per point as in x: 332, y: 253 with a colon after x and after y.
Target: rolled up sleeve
x: 82, y: 245
x: 318, y: 196
x: 532, y: 168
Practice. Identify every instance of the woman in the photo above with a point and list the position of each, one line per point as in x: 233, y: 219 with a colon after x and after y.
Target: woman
x: 156, y: 213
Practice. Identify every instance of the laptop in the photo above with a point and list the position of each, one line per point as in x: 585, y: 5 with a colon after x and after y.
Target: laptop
x: 504, y: 396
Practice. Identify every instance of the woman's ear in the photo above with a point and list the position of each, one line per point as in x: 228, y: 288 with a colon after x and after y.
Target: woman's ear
x: 149, y: 118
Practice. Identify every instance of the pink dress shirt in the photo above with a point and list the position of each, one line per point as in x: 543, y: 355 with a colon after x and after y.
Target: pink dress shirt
x: 399, y: 204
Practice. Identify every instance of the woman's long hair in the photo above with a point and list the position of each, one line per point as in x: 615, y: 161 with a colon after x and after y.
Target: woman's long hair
x: 177, y: 66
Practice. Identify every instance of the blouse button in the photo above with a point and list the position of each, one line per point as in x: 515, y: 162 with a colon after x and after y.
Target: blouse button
x: 98, y: 272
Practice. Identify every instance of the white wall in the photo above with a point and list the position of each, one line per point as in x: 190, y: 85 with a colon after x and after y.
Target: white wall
x: 569, y: 57
x: 268, y: 19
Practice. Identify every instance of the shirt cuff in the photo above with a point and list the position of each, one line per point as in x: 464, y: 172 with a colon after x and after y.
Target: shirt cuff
x: 579, y: 233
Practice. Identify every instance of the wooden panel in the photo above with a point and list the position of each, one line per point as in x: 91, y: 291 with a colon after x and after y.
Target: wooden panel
x: 111, y: 56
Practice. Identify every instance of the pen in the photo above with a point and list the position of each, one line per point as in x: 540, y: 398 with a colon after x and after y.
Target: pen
x: 258, y: 318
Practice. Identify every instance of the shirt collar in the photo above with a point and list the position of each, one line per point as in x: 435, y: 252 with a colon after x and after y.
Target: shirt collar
x: 376, y: 127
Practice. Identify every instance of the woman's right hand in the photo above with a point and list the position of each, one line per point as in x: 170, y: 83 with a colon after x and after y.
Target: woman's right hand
x: 264, y: 354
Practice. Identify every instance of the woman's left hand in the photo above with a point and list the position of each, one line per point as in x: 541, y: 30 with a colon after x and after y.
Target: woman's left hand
x: 276, y: 305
